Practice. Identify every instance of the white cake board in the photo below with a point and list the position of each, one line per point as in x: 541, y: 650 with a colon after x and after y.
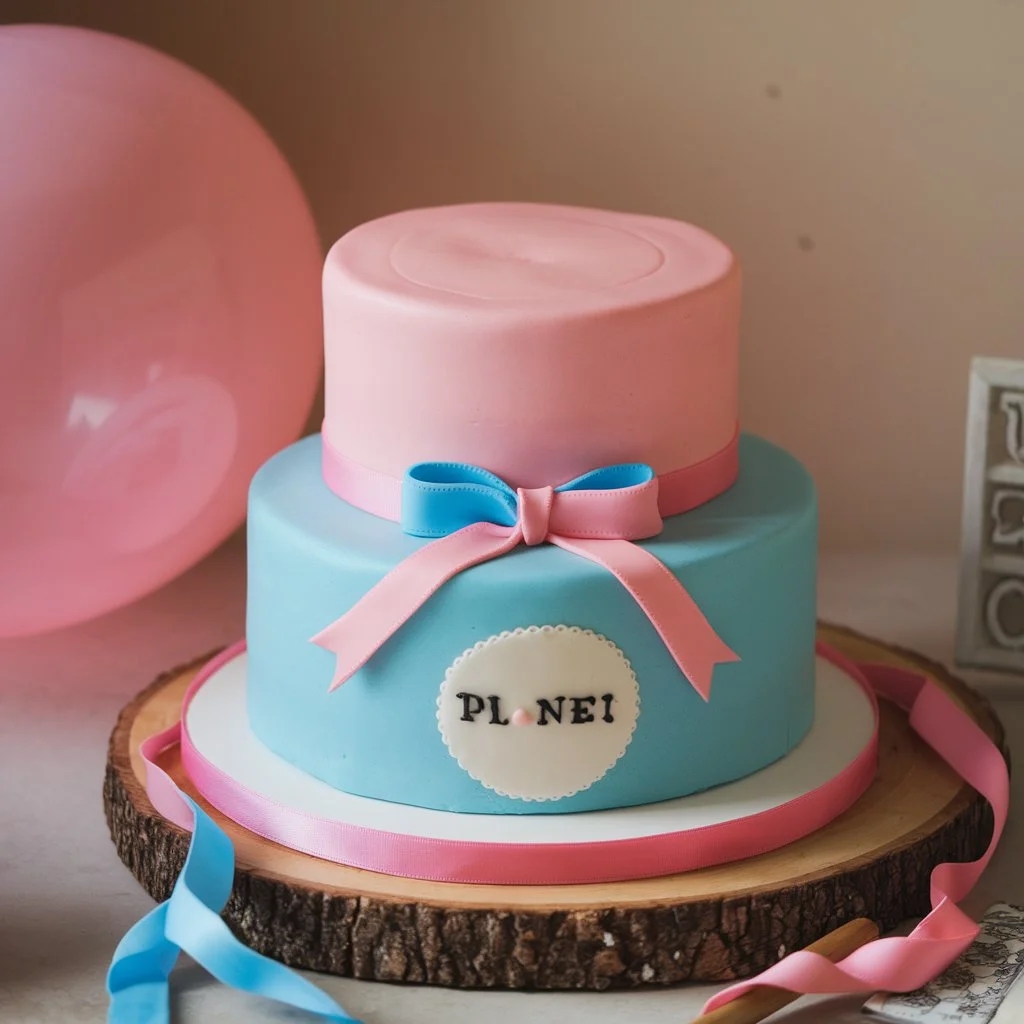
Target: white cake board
x: 844, y: 724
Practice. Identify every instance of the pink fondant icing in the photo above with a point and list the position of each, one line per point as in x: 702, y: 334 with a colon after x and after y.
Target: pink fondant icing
x: 522, y: 717
x: 536, y: 341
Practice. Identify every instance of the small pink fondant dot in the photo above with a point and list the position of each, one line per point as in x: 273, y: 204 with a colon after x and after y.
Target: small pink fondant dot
x: 522, y: 717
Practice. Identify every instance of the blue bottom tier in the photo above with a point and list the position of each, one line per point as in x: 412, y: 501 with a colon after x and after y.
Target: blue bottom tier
x: 748, y: 558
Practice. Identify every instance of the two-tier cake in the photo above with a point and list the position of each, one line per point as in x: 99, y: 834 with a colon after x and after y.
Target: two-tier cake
x: 530, y: 544
x: 530, y: 587
x: 530, y: 591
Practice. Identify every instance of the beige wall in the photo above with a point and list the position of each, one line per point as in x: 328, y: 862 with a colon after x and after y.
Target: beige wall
x: 865, y: 159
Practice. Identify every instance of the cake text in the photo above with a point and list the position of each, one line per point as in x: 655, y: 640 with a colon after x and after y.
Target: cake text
x: 560, y: 710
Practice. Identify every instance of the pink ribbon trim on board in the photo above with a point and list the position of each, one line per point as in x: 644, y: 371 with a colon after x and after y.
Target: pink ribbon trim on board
x: 894, y: 964
x: 596, y: 517
x: 481, y: 863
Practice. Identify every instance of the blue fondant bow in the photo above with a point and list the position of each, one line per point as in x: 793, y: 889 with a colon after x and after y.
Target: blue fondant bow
x: 439, y: 498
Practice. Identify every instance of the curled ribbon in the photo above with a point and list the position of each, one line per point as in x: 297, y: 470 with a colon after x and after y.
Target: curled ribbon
x: 474, y: 516
x: 190, y: 922
x: 905, y: 963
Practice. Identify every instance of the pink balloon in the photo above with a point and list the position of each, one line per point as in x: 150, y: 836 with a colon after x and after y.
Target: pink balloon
x: 160, y: 324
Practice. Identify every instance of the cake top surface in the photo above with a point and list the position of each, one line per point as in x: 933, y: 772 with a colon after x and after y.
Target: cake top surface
x: 499, y: 255
x: 538, y: 342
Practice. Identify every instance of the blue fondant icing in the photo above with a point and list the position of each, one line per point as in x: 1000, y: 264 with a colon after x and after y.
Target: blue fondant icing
x: 748, y: 558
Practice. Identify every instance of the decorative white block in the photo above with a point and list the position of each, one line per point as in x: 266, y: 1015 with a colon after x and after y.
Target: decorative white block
x: 990, y: 620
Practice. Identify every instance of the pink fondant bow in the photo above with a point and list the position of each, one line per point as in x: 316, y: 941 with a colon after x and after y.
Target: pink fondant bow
x: 476, y: 516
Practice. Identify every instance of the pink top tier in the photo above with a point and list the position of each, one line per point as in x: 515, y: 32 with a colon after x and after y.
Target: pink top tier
x: 539, y: 342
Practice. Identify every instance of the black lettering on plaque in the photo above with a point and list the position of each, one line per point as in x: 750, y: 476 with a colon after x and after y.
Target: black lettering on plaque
x: 468, y: 715
x: 580, y: 714
x: 496, y: 718
x: 607, y: 716
x: 546, y: 709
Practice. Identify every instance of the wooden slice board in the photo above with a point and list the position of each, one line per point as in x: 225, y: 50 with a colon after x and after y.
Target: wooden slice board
x: 716, y: 924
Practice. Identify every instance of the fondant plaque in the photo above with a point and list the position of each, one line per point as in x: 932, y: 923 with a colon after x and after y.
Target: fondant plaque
x: 539, y: 713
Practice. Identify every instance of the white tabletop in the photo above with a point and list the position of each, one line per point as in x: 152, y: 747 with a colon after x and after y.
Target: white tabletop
x: 66, y: 899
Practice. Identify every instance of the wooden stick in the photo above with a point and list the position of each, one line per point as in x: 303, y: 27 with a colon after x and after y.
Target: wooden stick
x: 764, y: 1000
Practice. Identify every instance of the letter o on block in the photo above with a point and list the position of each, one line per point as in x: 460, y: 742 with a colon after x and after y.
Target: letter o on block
x: 1009, y: 635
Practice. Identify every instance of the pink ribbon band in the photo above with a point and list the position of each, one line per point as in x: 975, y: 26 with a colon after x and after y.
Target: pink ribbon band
x: 590, y: 519
x: 679, y: 491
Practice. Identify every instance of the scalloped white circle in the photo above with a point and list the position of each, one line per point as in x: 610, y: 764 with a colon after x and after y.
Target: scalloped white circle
x: 218, y: 724
x: 540, y: 712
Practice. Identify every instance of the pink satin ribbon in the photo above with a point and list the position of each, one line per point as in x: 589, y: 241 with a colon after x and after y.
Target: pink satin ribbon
x: 896, y: 964
x: 599, y: 525
x: 905, y: 963
x: 679, y: 491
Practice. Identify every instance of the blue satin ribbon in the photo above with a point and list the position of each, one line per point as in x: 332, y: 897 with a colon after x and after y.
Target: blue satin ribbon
x: 439, y: 498
x: 190, y: 922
